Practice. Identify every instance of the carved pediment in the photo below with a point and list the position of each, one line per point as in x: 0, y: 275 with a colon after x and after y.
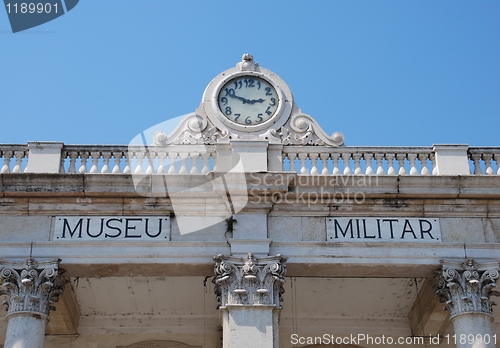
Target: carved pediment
x: 302, y: 129
x: 158, y: 344
x: 194, y: 129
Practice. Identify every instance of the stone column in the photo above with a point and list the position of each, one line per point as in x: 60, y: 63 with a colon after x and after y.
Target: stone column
x: 466, y: 287
x: 249, y: 291
x: 31, y: 287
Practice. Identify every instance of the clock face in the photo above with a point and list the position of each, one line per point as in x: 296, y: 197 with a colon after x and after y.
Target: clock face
x: 248, y: 100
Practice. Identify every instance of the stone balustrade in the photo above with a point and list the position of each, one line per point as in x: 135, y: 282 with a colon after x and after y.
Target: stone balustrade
x: 201, y: 159
x: 115, y: 159
x: 359, y: 160
x: 14, y: 158
x: 484, y: 160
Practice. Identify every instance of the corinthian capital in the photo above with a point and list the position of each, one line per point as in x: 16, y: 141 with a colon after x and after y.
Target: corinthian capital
x: 249, y: 280
x: 30, y: 285
x: 466, y: 287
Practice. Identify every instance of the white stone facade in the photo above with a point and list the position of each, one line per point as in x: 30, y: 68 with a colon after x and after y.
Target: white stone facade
x: 274, y: 234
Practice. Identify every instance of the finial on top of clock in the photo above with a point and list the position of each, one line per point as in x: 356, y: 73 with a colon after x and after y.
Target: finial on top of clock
x: 247, y: 63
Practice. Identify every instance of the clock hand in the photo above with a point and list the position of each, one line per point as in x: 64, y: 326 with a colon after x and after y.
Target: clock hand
x: 244, y: 100
x: 256, y: 101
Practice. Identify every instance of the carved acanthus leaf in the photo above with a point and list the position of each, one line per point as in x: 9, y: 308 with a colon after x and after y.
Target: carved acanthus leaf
x: 194, y: 129
x: 467, y: 288
x: 302, y: 129
x: 249, y: 280
x: 31, y: 286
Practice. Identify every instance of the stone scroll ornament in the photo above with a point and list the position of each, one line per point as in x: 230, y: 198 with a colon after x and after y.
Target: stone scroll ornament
x: 248, y: 280
x: 302, y: 129
x: 194, y: 129
x: 467, y: 289
x: 31, y: 286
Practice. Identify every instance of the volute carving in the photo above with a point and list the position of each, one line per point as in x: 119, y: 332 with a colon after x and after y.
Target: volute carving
x: 249, y: 280
x: 302, y: 129
x: 467, y: 287
x: 31, y: 286
x: 194, y: 129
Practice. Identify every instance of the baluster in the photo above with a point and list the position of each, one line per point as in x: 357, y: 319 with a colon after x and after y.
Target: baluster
x: 357, y: 165
x: 161, y: 168
x: 390, y: 162
x: 206, y: 157
x: 335, y: 158
x: 413, y: 168
x: 291, y: 157
x: 324, y: 163
x: 95, y: 158
x: 346, y: 157
x: 498, y: 164
x: 172, y: 156
x: 64, y: 155
x: 476, y: 158
x: 183, y: 169
x: 139, y: 156
x: 368, y: 160
x: 6, y: 162
x: 117, y: 156
x: 422, y: 157
x: 487, y: 160
x: 105, y: 167
x: 83, y: 166
x: 401, y: 162
x: 380, y: 168
x: 433, y: 161
x: 150, y: 158
x: 314, y: 159
x: 73, y: 155
x: 128, y: 158
x: 302, y: 159
x: 19, y: 159
x: 194, y: 162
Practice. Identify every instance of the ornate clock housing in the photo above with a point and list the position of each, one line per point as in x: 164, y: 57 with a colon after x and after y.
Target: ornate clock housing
x: 250, y: 108
x: 247, y: 100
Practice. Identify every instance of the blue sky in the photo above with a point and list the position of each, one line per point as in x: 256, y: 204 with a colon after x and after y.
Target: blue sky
x: 382, y: 72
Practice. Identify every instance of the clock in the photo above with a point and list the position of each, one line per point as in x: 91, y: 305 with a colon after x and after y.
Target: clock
x: 248, y: 100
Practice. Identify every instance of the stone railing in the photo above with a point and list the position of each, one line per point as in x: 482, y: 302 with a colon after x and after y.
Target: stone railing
x: 359, y: 160
x: 485, y: 160
x: 115, y: 159
x: 306, y: 160
x: 13, y: 158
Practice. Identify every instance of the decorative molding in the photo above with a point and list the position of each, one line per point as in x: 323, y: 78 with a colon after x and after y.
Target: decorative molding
x: 248, y: 280
x: 32, y: 286
x: 194, y: 129
x: 158, y: 344
x: 302, y: 129
x: 247, y: 63
x: 466, y: 287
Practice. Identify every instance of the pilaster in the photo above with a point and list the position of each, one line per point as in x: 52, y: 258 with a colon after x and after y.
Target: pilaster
x: 32, y: 287
x: 249, y: 292
x: 466, y: 287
